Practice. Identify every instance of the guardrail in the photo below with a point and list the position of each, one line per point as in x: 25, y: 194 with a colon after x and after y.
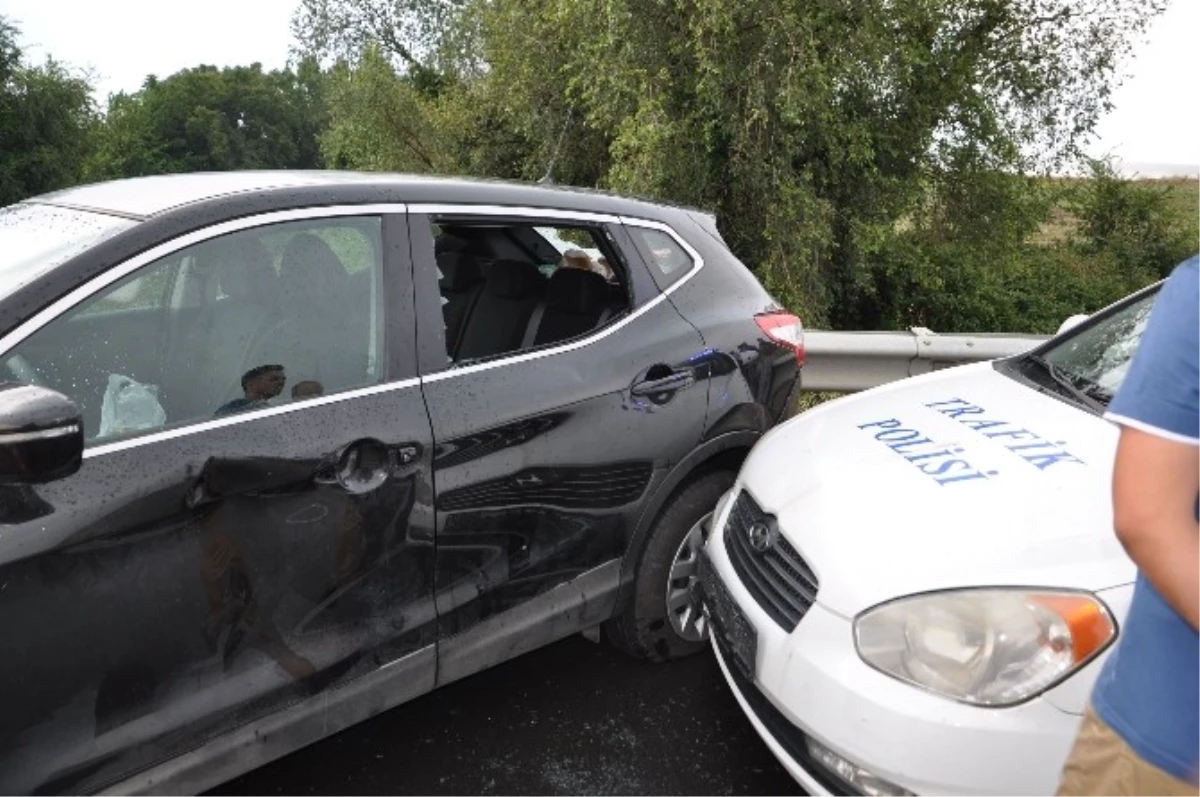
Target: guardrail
x: 850, y: 361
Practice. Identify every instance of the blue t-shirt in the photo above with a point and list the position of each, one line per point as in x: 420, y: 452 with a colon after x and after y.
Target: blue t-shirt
x: 1148, y: 690
x: 240, y: 405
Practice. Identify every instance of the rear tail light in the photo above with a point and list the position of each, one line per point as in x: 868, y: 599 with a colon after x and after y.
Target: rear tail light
x: 786, y: 330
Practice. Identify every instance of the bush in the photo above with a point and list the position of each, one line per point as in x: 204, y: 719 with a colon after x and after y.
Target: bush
x: 973, y: 256
x: 1132, y: 225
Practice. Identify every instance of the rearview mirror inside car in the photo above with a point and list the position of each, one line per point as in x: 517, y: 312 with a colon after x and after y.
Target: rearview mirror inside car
x: 41, y: 435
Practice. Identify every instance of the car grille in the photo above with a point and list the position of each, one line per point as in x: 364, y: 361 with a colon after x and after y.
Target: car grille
x: 779, y: 579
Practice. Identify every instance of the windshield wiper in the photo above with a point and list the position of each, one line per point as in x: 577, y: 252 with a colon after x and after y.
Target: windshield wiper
x: 1086, y: 396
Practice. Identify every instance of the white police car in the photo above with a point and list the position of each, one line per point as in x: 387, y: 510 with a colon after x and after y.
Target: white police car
x: 912, y: 589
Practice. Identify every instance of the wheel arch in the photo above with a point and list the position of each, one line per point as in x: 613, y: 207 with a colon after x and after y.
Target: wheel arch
x: 726, y: 452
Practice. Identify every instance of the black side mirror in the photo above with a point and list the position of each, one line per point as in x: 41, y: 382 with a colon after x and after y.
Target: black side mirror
x: 41, y: 435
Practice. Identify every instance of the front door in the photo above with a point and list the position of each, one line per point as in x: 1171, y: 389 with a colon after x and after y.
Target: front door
x: 537, y: 373
x: 251, y: 526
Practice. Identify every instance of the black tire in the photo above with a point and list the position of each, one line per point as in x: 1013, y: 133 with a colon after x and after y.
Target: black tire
x: 642, y: 628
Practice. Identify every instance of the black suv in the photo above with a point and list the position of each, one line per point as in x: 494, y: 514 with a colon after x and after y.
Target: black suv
x: 279, y: 451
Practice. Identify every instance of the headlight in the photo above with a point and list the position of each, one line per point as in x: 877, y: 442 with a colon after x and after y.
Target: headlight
x: 987, y: 647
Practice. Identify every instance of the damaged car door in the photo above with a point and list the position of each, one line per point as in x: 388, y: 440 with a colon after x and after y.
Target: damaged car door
x: 249, y: 524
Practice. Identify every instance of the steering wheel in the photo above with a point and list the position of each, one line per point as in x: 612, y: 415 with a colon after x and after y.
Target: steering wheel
x: 20, y: 367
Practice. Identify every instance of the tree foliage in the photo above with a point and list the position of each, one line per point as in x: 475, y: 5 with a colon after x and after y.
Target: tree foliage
x: 407, y: 33
x: 875, y: 162
x: 1130, y: 225
x: 209, y: 119
x: 815, y: 129
x: 47, y: 119
x: 379, y: 121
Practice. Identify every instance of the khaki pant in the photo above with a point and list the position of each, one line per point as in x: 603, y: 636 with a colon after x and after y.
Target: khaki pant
x: 1101, y: 763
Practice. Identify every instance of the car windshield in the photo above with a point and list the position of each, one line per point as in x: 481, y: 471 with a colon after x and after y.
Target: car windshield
x: 1096, y: 358
x: 36, y: 238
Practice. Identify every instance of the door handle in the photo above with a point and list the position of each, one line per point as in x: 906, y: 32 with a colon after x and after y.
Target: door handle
x: 405, y: 455
x: 366, y: 464
x: 677, y: 380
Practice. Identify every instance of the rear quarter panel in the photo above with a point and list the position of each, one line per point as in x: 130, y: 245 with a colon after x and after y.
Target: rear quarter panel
x: 750, y: 378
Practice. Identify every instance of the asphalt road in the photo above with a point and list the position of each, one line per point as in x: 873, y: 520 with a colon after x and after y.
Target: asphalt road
x: 572, y: 718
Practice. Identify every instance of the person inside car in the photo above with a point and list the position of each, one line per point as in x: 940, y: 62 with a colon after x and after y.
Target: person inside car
x: 604, y: 269
x: 309, y: 388
x: 260, y: 385
x: 576, y: 258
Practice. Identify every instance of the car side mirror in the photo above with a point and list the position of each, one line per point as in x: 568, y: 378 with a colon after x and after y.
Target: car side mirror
x: 1073, y: 321
x: 41, y: 435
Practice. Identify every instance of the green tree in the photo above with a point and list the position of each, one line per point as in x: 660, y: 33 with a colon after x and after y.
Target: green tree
x: 822, y: 132
x: 47, y: 119
x: 1130, y: 225
x: 968, y: 258
x: 814, y: 127
x: 209, y: 119
x: 405, y: 87
x: 381, y: 121
x: 407, y: 33
x: 381, y: 118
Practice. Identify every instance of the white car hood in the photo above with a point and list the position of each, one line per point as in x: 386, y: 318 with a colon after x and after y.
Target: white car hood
x: 868, y: 513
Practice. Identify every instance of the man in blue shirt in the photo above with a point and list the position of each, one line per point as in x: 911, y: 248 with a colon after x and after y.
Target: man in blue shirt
x: 1142, y: 733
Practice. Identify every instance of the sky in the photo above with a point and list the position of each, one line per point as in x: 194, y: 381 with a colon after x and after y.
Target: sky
x: 121, y: 41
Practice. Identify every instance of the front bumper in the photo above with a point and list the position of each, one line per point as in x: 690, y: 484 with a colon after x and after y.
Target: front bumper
x: 811, y: 683
x: 785, y: 741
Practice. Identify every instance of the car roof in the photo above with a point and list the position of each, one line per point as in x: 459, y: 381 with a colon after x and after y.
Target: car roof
x: 145, y: 197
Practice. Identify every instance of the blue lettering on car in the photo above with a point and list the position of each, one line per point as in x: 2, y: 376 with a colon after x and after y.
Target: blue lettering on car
x: 939, y: 461
x: 1029, y: 446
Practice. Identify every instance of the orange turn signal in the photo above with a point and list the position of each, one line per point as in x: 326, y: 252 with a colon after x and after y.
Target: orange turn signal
x: 1090, y: 624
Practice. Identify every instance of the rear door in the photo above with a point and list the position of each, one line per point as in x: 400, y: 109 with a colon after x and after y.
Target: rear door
x: 249, y: 536
x: 546, y: 441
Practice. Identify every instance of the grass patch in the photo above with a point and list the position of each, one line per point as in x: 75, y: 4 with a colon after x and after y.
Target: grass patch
x: 807, y: 399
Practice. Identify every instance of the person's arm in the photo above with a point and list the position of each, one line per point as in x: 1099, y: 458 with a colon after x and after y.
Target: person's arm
x: 1154, y: 500
x: 1156, y: 475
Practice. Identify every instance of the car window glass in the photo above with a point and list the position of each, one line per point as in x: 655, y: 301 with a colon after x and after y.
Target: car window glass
x: 1100, y: 354
x: 250, y: 320
x: 142, y: 292
x: 668, y: 261
x: 509, y: 287
x: 36, y: 238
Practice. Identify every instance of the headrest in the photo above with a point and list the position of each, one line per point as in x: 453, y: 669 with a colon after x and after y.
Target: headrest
x: 245, y: 271
x: 574, y: 290
x: 459, y: 271
x: 513, y: 279
x: 310, y: 267
x: 448, y: 243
